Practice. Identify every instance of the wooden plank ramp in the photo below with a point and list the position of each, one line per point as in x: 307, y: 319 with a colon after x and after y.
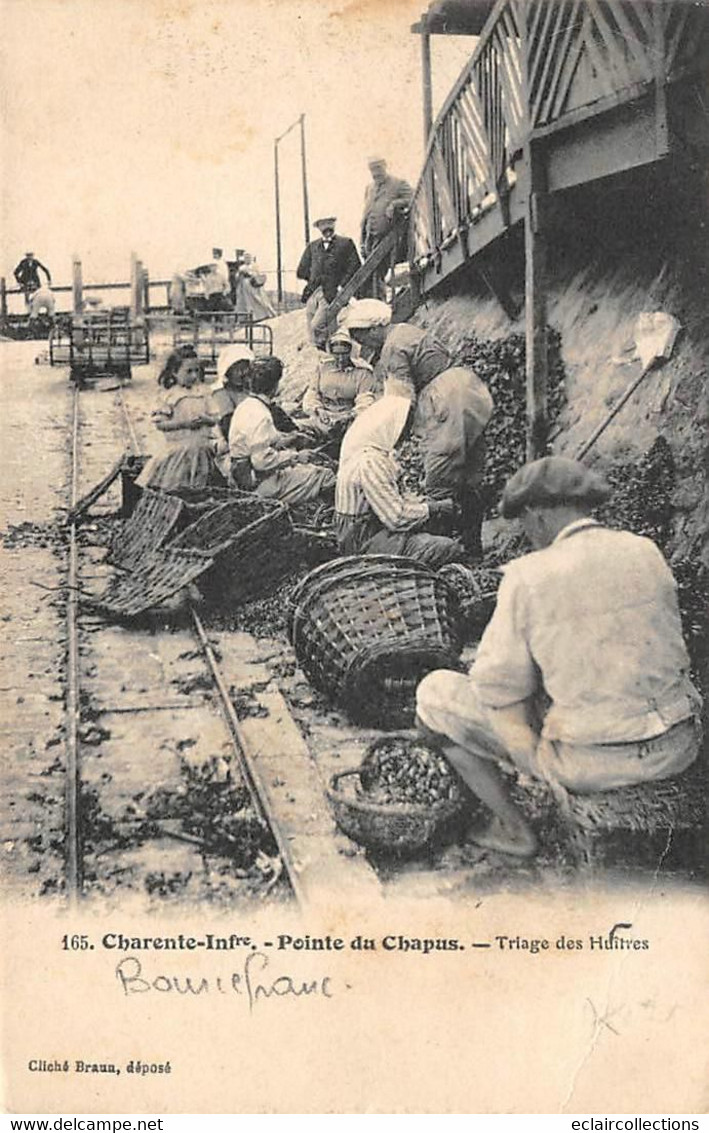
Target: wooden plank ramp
x: 319, y: 859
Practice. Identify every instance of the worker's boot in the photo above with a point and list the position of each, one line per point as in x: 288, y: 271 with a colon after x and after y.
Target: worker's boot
x: 471, y: 517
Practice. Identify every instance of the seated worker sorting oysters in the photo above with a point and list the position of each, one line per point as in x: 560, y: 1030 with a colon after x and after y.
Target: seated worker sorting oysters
x: 371, y: 514
x: 231, y: 385
x: 453, y: 406
x: 581, y: 677
x: 262, y: 456
x: 338, y: 391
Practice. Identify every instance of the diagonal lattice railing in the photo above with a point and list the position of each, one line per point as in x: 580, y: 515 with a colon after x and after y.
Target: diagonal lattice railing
x: 536, y: 62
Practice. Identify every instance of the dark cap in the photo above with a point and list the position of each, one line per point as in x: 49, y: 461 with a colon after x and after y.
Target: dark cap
x: 552, y: 482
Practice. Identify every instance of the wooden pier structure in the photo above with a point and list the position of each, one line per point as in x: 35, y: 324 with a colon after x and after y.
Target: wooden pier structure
x: 557, y: 94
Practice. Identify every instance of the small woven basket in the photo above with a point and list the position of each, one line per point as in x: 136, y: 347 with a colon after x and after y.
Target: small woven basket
x: 399, y: 830
x: 476, y: 589
x: 366, y: 629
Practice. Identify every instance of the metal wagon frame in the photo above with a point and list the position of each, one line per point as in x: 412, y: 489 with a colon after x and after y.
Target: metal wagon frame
x: 210, y: 331
x: 94, y: 344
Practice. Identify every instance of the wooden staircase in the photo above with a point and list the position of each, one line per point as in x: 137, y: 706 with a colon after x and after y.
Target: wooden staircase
x: 362, y: 276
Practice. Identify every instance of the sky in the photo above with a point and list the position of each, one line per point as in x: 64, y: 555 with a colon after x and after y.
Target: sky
x: 148, y: 126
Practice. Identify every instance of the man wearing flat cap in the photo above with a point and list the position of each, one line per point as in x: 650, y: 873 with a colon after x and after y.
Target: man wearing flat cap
x: 581, y: 677
x: 327, y: 264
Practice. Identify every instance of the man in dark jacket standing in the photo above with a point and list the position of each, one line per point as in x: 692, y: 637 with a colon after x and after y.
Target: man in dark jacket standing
x: 326, y: 264
x: 27, y: 275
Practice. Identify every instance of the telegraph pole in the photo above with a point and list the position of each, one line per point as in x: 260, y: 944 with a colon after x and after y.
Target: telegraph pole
x: 304, y: 171
x: 279, y: 253
x: 304, y: 174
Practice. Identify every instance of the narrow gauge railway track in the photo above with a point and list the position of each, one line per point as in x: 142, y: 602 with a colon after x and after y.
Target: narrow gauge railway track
x: 160, y: 796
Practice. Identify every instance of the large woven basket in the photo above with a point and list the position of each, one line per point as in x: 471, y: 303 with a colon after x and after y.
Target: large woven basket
x: 246, y: 544
x: 251, y: 541
x: 366, y: 629
x: 400, y: 830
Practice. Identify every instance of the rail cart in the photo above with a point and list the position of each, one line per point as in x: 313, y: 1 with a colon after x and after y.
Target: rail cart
x: 94, y: 344
x: 210, y: 331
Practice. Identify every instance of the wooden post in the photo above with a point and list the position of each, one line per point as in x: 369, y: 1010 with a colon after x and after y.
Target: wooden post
x: 535, y: 262
x: 146, y: 291
x: 304, y: 172
x: 77, y: 286
x: 136, y: 286
x: 133, y: 285
x: 3, y: 299
x: 659, y: 58
x: 427, y: 81
x: 535, y: 265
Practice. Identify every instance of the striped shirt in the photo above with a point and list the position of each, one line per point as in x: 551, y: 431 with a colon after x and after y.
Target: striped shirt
x: 370, y: 482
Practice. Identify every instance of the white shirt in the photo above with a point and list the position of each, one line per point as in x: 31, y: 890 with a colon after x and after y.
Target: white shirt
x: 217, y: 281
x: 594, y: 619
x: 252, y: 435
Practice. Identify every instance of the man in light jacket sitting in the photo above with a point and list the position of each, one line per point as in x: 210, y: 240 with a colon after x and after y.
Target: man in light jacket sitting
x: 581, y: 677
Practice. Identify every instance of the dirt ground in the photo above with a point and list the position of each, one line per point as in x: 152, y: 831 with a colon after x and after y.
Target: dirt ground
x: 32, y: 494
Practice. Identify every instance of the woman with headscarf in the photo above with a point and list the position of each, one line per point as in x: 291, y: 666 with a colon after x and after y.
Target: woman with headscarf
x: 231, y: 386
x: 371, y: 514
x: 232, y: 382
x: 339, y: 390
x: 453, y: 406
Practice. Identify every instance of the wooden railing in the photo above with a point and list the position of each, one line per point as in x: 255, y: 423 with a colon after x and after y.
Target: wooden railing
x: 359, y: 282
x: 539, y: 65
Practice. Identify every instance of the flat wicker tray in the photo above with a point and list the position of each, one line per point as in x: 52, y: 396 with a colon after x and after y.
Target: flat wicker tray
x: 155, y: 518
x: 159, y: 578
x: 651, y: 824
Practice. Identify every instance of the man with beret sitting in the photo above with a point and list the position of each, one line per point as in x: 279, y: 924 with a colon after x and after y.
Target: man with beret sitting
x: 581, y: 677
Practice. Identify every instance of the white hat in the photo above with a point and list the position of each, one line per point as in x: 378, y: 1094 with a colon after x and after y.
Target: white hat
x: 236, y: 352
x: 360, y: 314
